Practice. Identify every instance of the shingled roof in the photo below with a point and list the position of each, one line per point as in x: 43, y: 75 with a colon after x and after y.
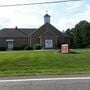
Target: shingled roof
x: 16, y: 32
x: 49, y: 26
x: 46, y: 27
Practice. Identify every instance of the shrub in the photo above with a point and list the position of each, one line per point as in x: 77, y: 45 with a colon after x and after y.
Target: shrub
x: 3, y: 48
x: 19, y: 48
x: 16, y: 48
x: 37, y: 47
x: 88, y: 46
x: 28, y: 48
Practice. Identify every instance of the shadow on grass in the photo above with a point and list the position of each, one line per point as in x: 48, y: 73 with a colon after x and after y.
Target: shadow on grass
x: 73, y: 52
x: 70, y: 52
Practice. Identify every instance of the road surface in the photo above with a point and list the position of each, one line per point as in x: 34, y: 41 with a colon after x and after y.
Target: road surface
x: 74, y: 83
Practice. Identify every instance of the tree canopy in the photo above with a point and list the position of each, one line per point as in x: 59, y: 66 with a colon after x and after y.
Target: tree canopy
x: 79, y: 36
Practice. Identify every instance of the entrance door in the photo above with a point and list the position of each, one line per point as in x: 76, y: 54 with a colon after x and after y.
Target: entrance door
x: 10, y: 44
x: 48, y: 43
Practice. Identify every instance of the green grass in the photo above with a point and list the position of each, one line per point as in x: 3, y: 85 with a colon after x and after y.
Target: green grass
x: 19, y: 63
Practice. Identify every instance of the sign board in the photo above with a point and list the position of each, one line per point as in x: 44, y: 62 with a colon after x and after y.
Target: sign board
x: 64, y: 48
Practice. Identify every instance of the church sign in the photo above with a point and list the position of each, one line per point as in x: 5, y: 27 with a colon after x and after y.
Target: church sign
x: 65, y: 48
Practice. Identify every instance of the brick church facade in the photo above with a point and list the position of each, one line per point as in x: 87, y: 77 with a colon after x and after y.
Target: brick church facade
x: 47, y: 36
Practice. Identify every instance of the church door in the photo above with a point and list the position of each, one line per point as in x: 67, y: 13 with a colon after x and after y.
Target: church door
x: 48, y: 43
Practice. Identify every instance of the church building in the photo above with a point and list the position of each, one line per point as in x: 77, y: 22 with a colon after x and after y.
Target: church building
x: 47, y: 36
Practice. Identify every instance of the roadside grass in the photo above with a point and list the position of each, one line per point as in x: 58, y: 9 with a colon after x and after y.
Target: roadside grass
x: 23, y: 63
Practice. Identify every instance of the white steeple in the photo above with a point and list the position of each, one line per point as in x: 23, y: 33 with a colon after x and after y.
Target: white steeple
x: 46, y: 18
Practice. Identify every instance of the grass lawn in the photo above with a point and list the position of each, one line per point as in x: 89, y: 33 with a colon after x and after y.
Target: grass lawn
x: 19, y: 63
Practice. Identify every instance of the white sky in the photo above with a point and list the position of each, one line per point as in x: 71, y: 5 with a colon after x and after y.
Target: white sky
x: 63, y: 15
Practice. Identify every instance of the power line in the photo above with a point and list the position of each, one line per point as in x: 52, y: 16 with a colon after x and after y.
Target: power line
x: 37, y: 3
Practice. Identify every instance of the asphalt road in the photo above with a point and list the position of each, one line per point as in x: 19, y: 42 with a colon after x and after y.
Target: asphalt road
x: 77, y: 83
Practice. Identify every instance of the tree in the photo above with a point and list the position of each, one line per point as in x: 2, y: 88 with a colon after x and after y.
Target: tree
x: 69, y: 33
x: 81, y: 34
x: 79, y: 37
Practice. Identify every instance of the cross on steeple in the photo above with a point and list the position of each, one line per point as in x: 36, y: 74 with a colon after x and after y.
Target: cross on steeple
x: 46, y: 11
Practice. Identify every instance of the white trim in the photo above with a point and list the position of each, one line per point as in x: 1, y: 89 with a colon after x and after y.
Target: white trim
x: 46, y: 79
x: 9, y: 40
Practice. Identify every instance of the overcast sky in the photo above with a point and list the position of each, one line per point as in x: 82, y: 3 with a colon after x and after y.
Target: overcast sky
x: 63, y: 15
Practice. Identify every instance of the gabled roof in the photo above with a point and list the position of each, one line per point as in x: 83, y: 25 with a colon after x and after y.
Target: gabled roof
x: 24, y: 32
x: 13, y: 32
x: 46, y: 27
x: 47, y: 32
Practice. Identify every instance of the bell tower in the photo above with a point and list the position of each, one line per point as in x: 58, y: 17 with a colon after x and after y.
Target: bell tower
x: 46, y: 18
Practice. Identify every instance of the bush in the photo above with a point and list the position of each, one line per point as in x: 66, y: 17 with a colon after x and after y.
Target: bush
x: 19, y: 48
x: 88, y: 46
x: 3, y: 48
x: 16, y: 48
x: 28, y: 48
x: 37, y: 47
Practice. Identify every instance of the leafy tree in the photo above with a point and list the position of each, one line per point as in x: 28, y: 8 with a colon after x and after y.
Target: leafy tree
x: 69, y: 33
x: 81, y: 34
x: 79, y: 37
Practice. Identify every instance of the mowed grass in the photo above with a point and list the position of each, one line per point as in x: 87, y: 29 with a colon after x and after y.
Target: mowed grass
x: 20, y: 63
